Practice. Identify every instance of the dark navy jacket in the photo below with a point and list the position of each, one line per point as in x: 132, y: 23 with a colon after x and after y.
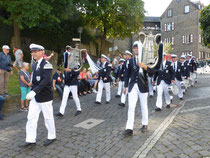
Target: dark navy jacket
x: 41, y: 81
x: 105, y: 72
x: 121, y: 71
x: 191, y: 65
x: 184, y: 70
x: 178, y: 71
x: 167, y: 74
x: 133, y: 76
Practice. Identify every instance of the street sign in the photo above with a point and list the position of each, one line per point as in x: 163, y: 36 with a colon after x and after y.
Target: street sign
x: 76, y: 39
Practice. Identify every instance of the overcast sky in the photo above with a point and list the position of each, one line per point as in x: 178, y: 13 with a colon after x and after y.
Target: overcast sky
x: 157, y: 7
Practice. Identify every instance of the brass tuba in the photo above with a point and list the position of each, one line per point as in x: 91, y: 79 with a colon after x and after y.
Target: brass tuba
x: 75, y: 59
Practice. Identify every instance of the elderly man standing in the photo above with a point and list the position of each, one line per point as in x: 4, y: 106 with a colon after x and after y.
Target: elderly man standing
x: 41, y: 97
x: 5, y: 68
x: 18, y: 53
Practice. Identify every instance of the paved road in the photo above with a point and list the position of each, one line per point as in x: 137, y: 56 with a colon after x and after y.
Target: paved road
x: 182, y: 131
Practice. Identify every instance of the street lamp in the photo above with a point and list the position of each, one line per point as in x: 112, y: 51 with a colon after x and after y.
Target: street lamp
x: 80, y: 33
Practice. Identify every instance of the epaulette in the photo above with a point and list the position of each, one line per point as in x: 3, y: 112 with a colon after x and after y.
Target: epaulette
x: 48, y: 65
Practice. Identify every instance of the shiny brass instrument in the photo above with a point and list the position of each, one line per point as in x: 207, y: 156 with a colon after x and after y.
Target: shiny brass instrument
x: 75, y: 59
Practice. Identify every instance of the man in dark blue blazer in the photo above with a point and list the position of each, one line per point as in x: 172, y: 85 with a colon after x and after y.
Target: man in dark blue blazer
x: 185, y: 71
x: 104, y: 78
x: 120, y: 77
x: 165, y: 76
x: 137, y: 83
x: 128, y: 56
x: 71, y: 85
x: 178, y: 75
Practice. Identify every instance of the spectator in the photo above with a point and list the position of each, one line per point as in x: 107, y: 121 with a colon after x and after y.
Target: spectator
x: 58, y: 82
x: 108, y: 58
x: 24, y: 82
x: 2, y: 99
x: 85, y: 83
x: 92, y: 79
x: 18, y: 53
x: 67, y: 52
x: 98, y: 62
x: 48, y: 57
x: 5, y: 68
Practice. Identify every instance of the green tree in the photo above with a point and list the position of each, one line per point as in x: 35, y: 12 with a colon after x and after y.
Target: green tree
x: 30, y: 13
x: 167, y: 47
x: 112, y: 18
x: 205, y: 25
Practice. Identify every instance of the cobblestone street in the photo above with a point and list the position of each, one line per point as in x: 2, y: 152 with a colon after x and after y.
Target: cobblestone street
x: 181, y: 131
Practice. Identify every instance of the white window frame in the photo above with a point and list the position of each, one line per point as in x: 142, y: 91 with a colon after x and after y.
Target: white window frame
x: 165, y: 27
x: 172, y: 40
x: 191, y: 38
x: 183, y: 39
x: 172, y: 25
x: 170, y: 14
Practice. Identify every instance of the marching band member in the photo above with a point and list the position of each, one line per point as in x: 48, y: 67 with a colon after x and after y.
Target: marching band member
x: 195, y: 69
x: 178, y: 75
x: 120, y: 78
x: 104, y: 80
x: 165, y: 76
x: 71, y: 85
x: 191, y: 65
x: 128, y: 56
x: 41, y: 96
x: 137, y: 84
x: 184, y: 70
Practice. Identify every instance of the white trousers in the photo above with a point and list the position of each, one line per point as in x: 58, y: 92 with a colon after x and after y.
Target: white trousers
x: 180, y: 91
x: 120, y: 87
x: 150, y: 86
x: 162, y: 88
x: 67, y: 89
x: 192, y: 76
x: 124, y: 96
x: 33, y: 115
x: 132, y: 101
x: 102, y: 85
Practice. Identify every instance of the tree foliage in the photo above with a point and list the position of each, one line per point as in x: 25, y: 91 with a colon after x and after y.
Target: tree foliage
x: 205, y: 25
x: 113, y: 18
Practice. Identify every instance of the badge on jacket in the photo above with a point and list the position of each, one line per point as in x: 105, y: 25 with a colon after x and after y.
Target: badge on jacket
x: 38, y: 78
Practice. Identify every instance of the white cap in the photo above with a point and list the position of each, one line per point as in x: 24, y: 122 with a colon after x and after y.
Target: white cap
x: 122, y: 60
x: 183, y: 57
x: 68, y: 46
x: 5, y: 47
x: 135, y: 44
x: 103, y: 56
x: 127, y: 52
x: 34, y: 47
x: 189, y: 55
x: 174, y: 56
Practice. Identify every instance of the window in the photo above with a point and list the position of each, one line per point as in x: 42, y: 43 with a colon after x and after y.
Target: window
x: 186, y: 9
x: 191, y: 38
x: 200, y: 39
x: 172, y: 40
x: 165, y: 27
x: 183, y: 39
x: 170, y: 13
x: 172, y: 25
x: 199, y: 55
x: 169, y: 27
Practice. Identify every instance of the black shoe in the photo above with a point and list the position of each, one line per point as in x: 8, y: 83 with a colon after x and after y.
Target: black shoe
x: 158, y: 109
x: 144, y: 129
x: 48, y: 142
x: 128, y: 132
x: 184, y: 93
x: 181, y: 98
x: 97, y: 102
x: 191, y: 85
x: 122, y: 104
x: 168, y: 106
x: 151, y: 96
x: 171, y: 100
x: 26, y: 145
x: 196, y: 81
x: 77, y: 113
x: 59, y: 114
x: 107, y: 102
x: 117, y: 96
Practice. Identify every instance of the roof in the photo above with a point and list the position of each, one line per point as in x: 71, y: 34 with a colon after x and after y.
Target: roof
x: 151, y: 19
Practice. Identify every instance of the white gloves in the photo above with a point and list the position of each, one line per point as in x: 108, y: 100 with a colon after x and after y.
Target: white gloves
x: 30, y: 95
